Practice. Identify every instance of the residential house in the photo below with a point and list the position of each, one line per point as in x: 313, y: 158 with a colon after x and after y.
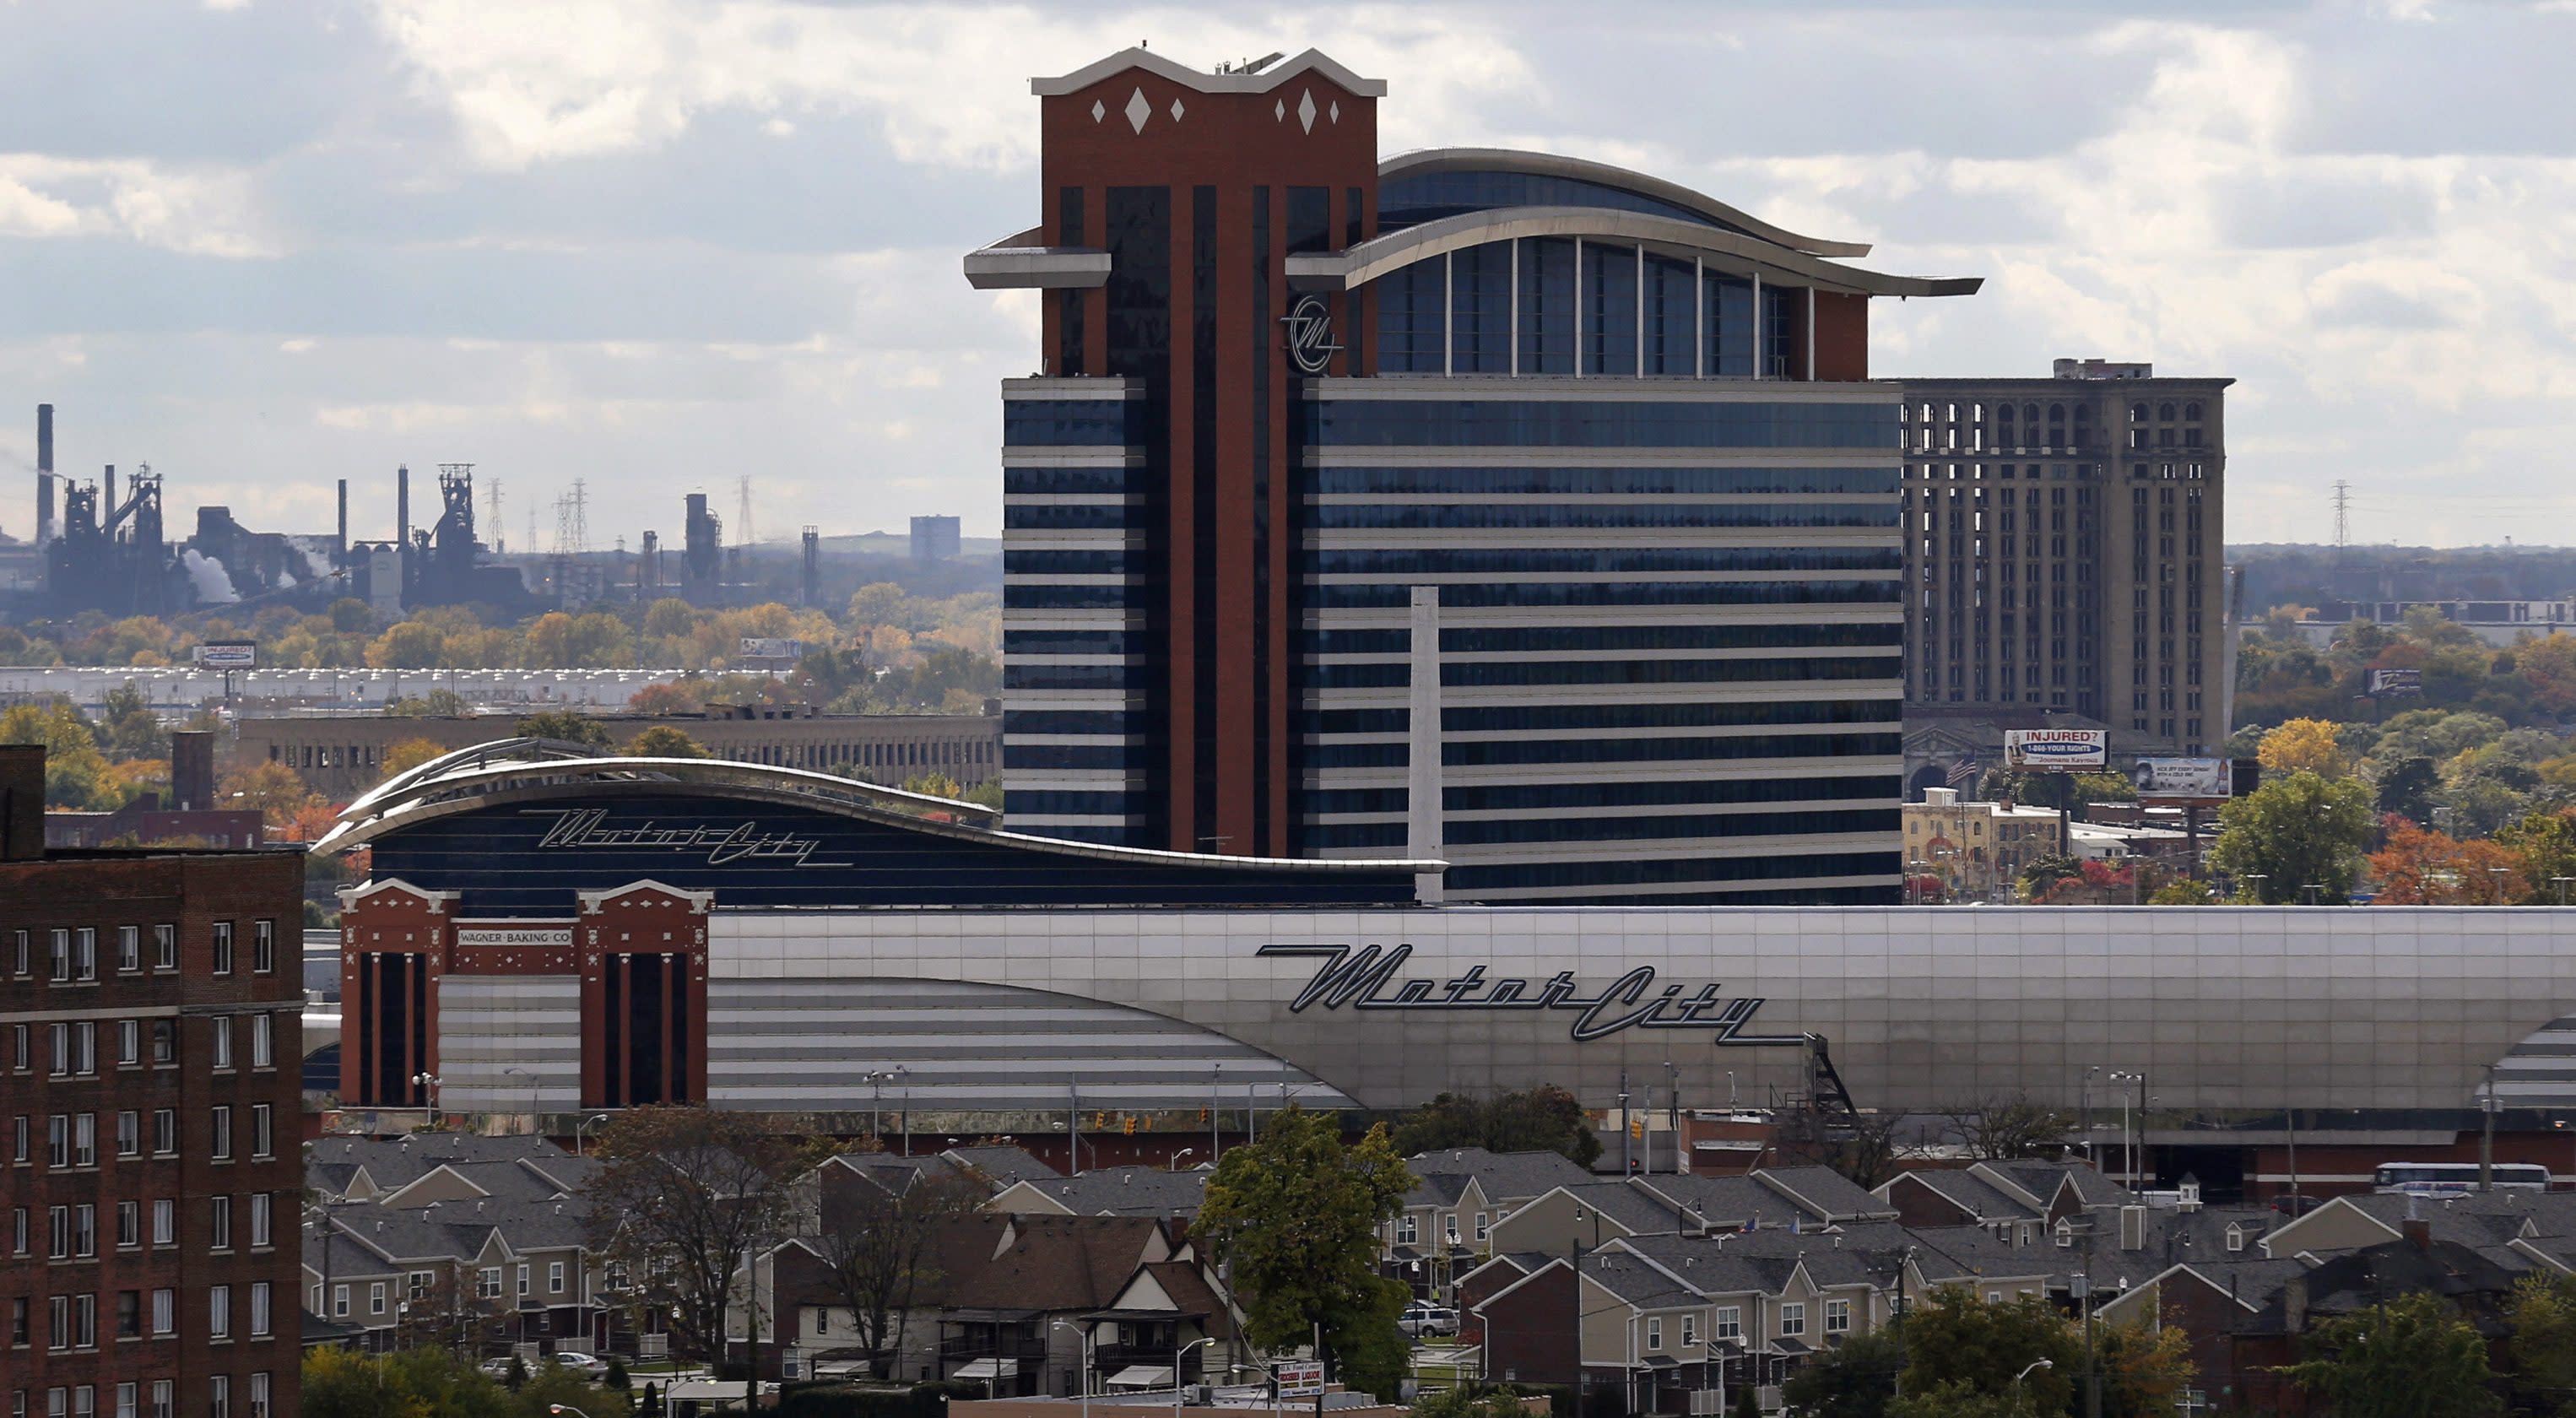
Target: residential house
x: 1109, y: 1191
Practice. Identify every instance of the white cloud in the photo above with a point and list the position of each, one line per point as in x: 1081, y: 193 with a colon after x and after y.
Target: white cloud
x: 200, y: 211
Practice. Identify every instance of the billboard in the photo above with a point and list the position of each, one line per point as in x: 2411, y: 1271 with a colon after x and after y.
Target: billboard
x: 2046, y: 749
x: 1300, y: 1379
x: 761, y: 647
x: 228, y: 654
x: 2185, y: 778
x: 2397, y: 681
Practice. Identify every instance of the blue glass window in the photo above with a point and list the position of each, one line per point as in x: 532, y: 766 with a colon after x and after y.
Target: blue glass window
x: 1045, y: 674
x: 1529, y: 639
x: 1022, y: 723
x: 1516, y: 797
x: 1808, y: 591
x: 1547, y: 306
x: 1571, y: 423
x: 1658, y: 750
x: 1030, y: 482
x: 1656, y: 871
x: 1044, y: 517
x: 1600, y: 561
x: 1790, y: 482
x: 1672, y: 317
x: 1599, y: 828
x: 1073, y: 598
x: 1778, y: 514
x: 1517, y: 672
x: 1044, y: 423
x: 1067, y: 563
x: 1729, y: 332
x: 1411, y: 306
x: 1064, y: 642
x: 1408, y: 201
x: 1777, y: 358
x: 1480, y: 301
x: 1609, y: 309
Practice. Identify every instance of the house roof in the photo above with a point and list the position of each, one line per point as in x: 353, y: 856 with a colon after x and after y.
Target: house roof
x: 1978, y: 1197
x: 1826, y: 1193
x: 1035, y: 1263
x: 1125, y: 1191
x: 1507, y: 1178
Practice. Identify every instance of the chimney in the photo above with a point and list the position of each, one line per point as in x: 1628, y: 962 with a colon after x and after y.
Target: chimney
x: 343, y: 542
x: 2419, y: 1230
x: 192, y: 770
x: 44, y: 474
x: 402, y: 507
x: 2294, y: 1305
x: 22, y: 802
x: 107, y: 509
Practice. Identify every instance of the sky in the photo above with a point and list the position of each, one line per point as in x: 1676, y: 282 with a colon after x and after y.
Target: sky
x: 664, y: 245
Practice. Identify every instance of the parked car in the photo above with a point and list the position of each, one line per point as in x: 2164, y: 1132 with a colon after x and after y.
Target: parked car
x: 589, y: 1366
x: 1422, y: 1320
x: 498, y: 1368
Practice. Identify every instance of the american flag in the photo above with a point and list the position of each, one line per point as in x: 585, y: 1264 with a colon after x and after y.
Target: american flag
x: 1963, y: 772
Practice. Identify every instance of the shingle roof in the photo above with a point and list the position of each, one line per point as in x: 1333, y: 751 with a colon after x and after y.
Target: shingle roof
x: 1047, y: 1263
x: 1981, y: 1198
x: 1128, y: 1191
x: 397, y: 1162
x: 1003, y: 1163
x: 1508, y: 1178
x: 1826, y: 1192
x: 1636, y: 1282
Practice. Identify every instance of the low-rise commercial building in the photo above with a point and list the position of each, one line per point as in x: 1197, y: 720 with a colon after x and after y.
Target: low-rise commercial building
x: 1976, y: 849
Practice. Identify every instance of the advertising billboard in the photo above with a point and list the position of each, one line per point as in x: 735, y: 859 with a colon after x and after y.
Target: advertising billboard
x: 771, y: 648
x: 2045, y: 749
x: 2184, y: 778
x: 1300, y: 1379
x: 2397, y: 681
x: 228, y: 654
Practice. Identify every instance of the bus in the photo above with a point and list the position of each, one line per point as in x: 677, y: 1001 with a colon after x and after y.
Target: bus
x: 2454, y: 1178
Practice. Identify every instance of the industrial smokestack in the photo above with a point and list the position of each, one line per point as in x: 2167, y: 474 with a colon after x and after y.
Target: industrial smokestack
x: 44, y: 474
x: 107, y: 509
x: 402, y: 507
x: 343, y: 547
x: 192, y: 770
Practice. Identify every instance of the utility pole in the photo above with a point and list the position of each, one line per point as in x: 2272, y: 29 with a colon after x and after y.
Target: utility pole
x: 2486, y: 1139
x: 1627, y: 1162
x: 1673, y: 1100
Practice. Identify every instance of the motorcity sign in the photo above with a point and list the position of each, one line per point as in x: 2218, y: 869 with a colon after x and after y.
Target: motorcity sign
x: 1310, y: 334
x: 2056, y: 748
x: 586, y: 829
x: 1359, y: 977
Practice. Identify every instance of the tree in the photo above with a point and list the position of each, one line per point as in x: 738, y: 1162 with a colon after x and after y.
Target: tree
x: 130, y: 729
x: 2298, y: 831
x: 665, y: 741
x: 873, y: 1244
x: 2420, y: 868
x: 1544, y: 1119
x: 1952, y: 1337
x: 2002, y: 1129
x: 409, y: 754
x: 2303, y: 746
x: 565, y: 725
x: 2544, y: 847
x: 1296, y: 1216
x: 2406, y: 788
x: 76, y: 773
x: 671, y: 697
x: 1471, y: 1401
x: 1866, y: 1157
x: 2412, y: 1357
x: 1857, y: 1380
x: 515, y: 1377
x: 683, y: 1196
x: 2543, y: 1315
x: 2142, y: 1368
x: 1959, y: 1399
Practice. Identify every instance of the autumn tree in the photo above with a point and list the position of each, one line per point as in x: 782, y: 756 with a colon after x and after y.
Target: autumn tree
x: 2544, y: 846
x: 874, y: 1245
x: 1976, y: 1346
x: 2303, y: 746
x: 2542, y: 1314
x: 2411, y: 1357
x: 684, y: 1196
x: 1296, y: 1216
x: 1543, y: 1119
x: 76, y: 773
x: 566, y: 725
x: 274, y: 791
x: 408, y: 754
x: 2423, y: 868
x: 2300, y: 831
x: 665, y: 741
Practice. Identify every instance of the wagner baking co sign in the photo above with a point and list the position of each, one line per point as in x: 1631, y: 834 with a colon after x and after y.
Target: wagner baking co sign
x: 2044, y: 749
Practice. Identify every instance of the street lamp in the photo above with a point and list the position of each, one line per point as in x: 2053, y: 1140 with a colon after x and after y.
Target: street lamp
x: 2496, y: 875
x: 586, y: 1125
x: 2561, y: 883
x: 2258, y: 878
x: 876, y: 1103
x: 2025, y: 1373
x: 2128, y: 1149
x: 1083, y: 1333
x: 559, y: 1409
x: 2312, y: 888
x: 1177, y: 1156
x: 1181, y: 1351
x: 532, y: 1092
x: 428, y: 1081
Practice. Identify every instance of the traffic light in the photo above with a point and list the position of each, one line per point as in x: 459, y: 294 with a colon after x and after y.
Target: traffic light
x: 1100, y: 1120
x: 1128, y: 1120
x: 1637, y: 1128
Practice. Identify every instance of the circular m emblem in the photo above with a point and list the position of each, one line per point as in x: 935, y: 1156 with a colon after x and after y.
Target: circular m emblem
x: 1310, y: 333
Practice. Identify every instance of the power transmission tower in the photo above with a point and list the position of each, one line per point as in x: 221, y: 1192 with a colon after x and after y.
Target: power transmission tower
x: 572, y: 521
x: 492, y: 512
x: 2343, y: 523
x: 742, y: 533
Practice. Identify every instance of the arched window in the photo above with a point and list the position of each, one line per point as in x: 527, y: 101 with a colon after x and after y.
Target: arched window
x: 2137, y: 413
x: 2164, y: 411
x: 2191, y: 412
x: 2030, y: 413
x: 2057, y: 413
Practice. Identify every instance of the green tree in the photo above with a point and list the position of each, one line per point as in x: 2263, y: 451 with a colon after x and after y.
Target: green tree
x: 1543, y: 1119
x: 665, y: 741
x: 437, y: 704
x: 2142, y: 1369
x: 2546, y: 844
x: 563, y: 724
x: 1958, y: 1399
x: 2406, y: 788
x: 130, y: 728
x: 76, y: 773
x: 409, y: 754
x: 1296, y: 1215
x: 2297, y: 831
x: 1856, y: 1380
x: 2412, y: 1357
x: 2543, y: 1315
x: 350, y: 616
x: 1953, y: 1338
x: 515, y: 1377
x: 1471, y: 1401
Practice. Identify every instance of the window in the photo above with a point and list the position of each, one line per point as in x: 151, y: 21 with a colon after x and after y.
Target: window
x: 85, y: 1230
x: 85, y: 954
x: 376, y: 1298
x: 125, y: 1396
x: 129, y: 1041
x: 1730, y: 1322
x: 165, y: 949
x: 129, y: 949
x: 554, y: 1277
x: 219, y: 1233
x: 259, y: 1309
x: 84, y: 1321
x: 259, y: 1395
x: 219, y: 1134
x: 165, y: 1132
x: 1480, y: 1227
x: 129, y: 1224
x: 263, y: 1041
x: 260, y: 1234
x: 165, y: 1222
x: 420, y: 1281
x: 339, y: 1302
x: 487, y: 1283
x: 222, y: 1028
x: 18, y: 1140
x: 262, y: 1134
x: 1407, y: 1231
x: 1793, y: 1320
x: 1654, y: 1331
x: 219, y: 1396
x: 263, y: 947
x: 22, y: 1049
x: 21, y: 960
x: 85, y: 1140
x: 58, y: 1140
x: 219, y: 1311
x: 18, y: 1323
x: 129, y: 1134
x: 129, y: 1314
x: 223, y: 947
x: 1690, y: 1331
x: 2065, y: 1230
x: 58, y: 1327
x: 165, y: 1041
x: 18, y: 1229
x: 161, y: 1399
x: 1838, y: 1317
x: 2235, y: 1237
x: 523, y: 1279
x: 165, y: 1314
x: 58, y: 952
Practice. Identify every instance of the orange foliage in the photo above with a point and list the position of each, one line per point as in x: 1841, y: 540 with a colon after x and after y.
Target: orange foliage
x: 2425, y: 868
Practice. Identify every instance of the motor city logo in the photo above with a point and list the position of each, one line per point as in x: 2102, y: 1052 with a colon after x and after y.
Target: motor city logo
x: 585, y: 829
x: 1360, y: 976
x: 1310, y: 334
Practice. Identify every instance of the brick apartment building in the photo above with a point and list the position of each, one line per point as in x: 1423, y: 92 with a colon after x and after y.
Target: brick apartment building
x: 150, y: 1125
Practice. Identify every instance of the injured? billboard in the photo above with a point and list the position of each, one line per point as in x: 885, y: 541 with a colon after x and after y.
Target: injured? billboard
x: 2046, y: 749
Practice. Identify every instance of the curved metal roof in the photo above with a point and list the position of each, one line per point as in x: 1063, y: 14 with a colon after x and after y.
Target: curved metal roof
x: 518, y: 770
x: 1358, y: 265
x: 1432, y: 160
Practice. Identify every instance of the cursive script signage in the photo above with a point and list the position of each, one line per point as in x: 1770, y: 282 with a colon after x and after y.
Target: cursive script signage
x: 1310, y: 334
x: 586, y: 829
x: 1360, y: 977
